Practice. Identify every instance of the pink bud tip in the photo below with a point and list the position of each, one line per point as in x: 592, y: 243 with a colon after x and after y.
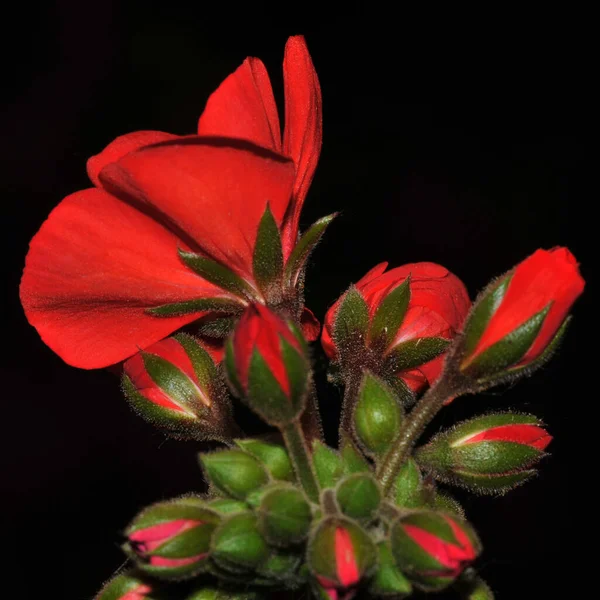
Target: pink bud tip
x: 148, y: 539
x: 347, y: 569
x: 138, y: 594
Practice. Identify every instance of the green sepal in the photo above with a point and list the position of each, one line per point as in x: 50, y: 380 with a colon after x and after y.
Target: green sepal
x: 321, y: 550
x: 488, y: 485
x: 359, y: 496
x: 234, y: 472
x: 218, y: 274
x: 238, y: 544
x: 267, y: 259
x: 212, y: 305
x: 389, y: 315
x: 185, y: 507
x: 274, y: 457
x: 231, y: 370
x: 123, y: 584
x: 281, y: 569
x: 284, y: 516
x: 328, y: 464
x: 377, y: 415
x: 226, y: 506
x: 351, y: 323
x: 408, y: 487
x: 414, y: 353
x: 482, y: 312
x: 354, y: 461
x: 474, y: 588
x: 302, y: 250
x: 388, y: 581
x: 216, y: 326
x: 214, y: 593
x: 509, y: 350
x: 444, y: 502
x: 204, y: 366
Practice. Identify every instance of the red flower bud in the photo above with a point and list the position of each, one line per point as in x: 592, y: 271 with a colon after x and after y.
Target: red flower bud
x: 438, y: 303
x: 145, y: 541
x: 433, y: 548
x: 172, y: 539
x: 523, y: 312
x: 489, y: 454
x: 266, y: 360
x: 339, y: 554
x: 175, y: 384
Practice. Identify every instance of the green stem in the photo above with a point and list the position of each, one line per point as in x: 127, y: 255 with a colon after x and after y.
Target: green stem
x: 311, y: 418
x: 415, y: 423
x: 294, y: 441
x: 350, y: 394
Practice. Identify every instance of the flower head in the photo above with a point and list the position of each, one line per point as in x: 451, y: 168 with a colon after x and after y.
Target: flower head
x: 168, y: 233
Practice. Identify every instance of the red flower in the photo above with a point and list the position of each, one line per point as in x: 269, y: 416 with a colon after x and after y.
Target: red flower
x: 107, y: 255
x: 439, y: 303
x: 261, y: 330
x: 547, y: 278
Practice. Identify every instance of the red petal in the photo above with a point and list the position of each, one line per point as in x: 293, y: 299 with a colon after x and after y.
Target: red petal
x: 243, y: 107
x: 93, y: 269
x: 310, y: 325
x: 303, y: 133
x: 215, y: 191
x: 121, y: 146
x: 530, y: 435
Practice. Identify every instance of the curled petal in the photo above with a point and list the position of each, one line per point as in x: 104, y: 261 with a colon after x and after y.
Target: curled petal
x: 243, y: 107
x: 121, y: 146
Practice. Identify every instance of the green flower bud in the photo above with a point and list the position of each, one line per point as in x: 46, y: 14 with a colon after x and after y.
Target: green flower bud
x: 284, y: 516
x: 234, y: 472
x: 359, y: 496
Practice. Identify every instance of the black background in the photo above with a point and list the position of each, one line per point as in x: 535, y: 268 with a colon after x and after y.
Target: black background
x: 457, y: 140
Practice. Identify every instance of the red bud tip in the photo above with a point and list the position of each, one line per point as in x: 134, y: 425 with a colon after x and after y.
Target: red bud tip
x: 261, y: 329
x: 138, y: 594
x: 146, y: 540
x: 528, y: 435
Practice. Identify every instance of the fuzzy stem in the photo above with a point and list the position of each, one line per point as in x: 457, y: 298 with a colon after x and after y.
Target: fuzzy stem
x: 311, y: 418
x: 350, y: 393
x: 421, y: 415
x: 296, y: 446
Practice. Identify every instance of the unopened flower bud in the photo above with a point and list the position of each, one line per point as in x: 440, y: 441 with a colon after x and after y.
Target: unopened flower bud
x: 377, y: 415
x: 433, y: 548
x: 274, y: 457
x: 359, y: 496
x: 238, y: 545
x: 175, y: 385
x: 488, y: 454
x: 267, y: 366
x: 518, y: 320
x: 171, y: 540
x: 328, y: 464
x: 284, y: 516
x: 234, y: 472
x: 127, y: 586
x: 340, y: 553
